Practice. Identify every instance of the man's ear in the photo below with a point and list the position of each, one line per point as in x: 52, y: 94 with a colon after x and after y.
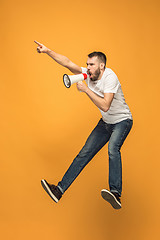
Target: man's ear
x: 102, y: 66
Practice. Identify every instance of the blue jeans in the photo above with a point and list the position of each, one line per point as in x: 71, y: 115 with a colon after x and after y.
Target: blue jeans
x: 102, y: 133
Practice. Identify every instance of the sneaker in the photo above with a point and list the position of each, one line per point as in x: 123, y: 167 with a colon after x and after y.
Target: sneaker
x: 112, y: 197
x: 52, y: 190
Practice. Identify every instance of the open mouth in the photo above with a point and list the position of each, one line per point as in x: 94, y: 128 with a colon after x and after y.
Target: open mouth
x: 89, y: 74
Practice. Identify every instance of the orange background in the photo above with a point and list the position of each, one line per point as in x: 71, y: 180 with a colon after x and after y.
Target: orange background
x: 44, y: 125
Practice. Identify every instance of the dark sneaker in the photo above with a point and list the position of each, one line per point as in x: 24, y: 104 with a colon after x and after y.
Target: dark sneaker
x: 112, y: 197
x: 52, y: 190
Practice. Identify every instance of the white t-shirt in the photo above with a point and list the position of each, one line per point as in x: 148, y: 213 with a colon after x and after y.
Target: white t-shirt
x: 109, y: 83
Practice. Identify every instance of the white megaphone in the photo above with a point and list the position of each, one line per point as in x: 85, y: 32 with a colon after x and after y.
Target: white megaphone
x: 68, y: 80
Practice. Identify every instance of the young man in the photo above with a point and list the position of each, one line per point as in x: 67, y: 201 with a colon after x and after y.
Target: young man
x: 104, y: 90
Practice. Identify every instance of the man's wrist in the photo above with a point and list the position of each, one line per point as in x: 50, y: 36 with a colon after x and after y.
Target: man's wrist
x: 87, y: 90
x: 48, y: 51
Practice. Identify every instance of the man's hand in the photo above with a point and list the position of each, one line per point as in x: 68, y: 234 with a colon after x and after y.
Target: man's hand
x: 81, y: 86
x: 41, y: 48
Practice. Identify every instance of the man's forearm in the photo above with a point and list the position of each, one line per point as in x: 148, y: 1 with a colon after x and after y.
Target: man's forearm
x: 100, y: 102
x: 64, y: 61
x: 60, y: 59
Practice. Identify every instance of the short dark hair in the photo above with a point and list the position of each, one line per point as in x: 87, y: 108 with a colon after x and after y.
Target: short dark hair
x: 101, y: 56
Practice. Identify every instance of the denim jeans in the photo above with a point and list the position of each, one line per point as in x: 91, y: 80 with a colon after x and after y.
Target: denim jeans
x: 102, y: 133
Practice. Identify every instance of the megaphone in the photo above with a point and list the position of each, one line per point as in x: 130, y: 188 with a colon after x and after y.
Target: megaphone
x: 68, y: 80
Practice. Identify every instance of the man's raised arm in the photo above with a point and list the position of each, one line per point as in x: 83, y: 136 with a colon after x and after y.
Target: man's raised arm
x: 60, y: 59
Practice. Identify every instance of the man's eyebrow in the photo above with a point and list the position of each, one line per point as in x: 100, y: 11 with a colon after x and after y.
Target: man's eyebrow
x: 90, y: 63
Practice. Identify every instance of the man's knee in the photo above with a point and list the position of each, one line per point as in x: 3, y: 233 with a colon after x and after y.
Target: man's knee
x: 113, y: 149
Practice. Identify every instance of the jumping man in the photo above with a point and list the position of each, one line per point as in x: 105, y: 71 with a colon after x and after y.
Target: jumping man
x: 104, y: 90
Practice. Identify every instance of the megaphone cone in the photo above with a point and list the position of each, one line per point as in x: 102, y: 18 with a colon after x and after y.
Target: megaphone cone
x: 68, y: 80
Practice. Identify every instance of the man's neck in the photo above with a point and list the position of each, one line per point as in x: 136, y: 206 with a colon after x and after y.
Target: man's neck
x: 101, y: 74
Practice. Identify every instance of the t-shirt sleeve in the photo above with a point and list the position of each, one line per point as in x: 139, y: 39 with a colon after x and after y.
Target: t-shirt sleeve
x: 111, y: 84
x: 84, y: 70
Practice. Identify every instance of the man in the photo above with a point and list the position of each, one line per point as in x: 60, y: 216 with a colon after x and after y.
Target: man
x: 104, y: 90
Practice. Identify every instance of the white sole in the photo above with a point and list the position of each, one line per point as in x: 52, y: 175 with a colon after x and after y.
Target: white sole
x: 47, y: 189
x: 109, y: 197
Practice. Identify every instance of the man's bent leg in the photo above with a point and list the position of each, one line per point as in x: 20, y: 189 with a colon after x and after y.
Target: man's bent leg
x: 118, y: 136
x: 97, y: 139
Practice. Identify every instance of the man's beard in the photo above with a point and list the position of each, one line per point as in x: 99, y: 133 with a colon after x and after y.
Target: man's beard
x: 96, y: 75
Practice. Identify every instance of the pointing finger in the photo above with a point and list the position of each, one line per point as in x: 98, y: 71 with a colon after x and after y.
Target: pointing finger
x: 38, y: 43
